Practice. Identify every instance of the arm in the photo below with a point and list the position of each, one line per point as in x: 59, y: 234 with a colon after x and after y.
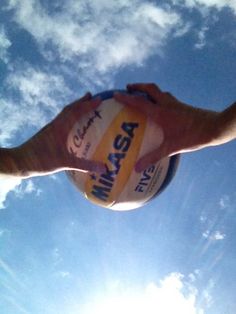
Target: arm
x: 9, y: 164
x: 46, y: 152
x: 227, y: 125
x: 185, y: 128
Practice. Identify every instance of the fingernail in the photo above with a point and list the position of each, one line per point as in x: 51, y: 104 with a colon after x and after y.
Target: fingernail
x: 96, y: 101
x: 139, y: 167
x: 87, y: 94
x: 119, y: 97
x: 99, y: 168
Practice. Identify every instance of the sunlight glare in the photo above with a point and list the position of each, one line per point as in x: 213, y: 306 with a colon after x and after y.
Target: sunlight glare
x: 168, y: 298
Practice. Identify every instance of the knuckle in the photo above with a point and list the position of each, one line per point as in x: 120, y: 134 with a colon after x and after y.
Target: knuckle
x: 168, y: 94
x: 153, y: 86
x: 154, y: 89
x: 66, y: 109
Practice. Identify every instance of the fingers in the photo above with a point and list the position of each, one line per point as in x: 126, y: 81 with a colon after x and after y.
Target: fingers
x: 82, y: 107
x: 87, y: 96
x: 151, y: 158
x: 86, y: 165
x: 151, y: 89
x: 138, y: 102
x: 90, y: 105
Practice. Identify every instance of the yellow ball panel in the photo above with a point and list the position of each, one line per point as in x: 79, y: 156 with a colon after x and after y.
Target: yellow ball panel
x: 118, y: 149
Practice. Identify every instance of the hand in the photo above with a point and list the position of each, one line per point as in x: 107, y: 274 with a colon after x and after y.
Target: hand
x: 185, y: 128
x: 46, y: 151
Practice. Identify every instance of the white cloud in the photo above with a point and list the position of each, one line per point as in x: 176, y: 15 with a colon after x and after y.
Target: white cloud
x: 4, y: 232
x: 38, y: 87
x: 27, y: 187
x: 203, y: 218
x: 194, y: 276
x: 56, y: 256
x: 218, y: 236
x: 5, y: 43
x: 54, y: 177
x: 205, y: 234
x: 201, y: 37
x: 7, y: 185
x: 224, y: 202
x: 40, y: 95
x: 63, y: 274
x: 18, y: 187
x: 213, y: 236
x: 94, y: 38
x: 12, y: 120
x: 101, y: 35
x: 172, y: 295
x: 209, y: 16
x: 218, y: 4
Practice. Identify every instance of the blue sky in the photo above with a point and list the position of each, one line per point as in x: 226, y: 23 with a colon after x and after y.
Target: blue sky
x: 61, y: 254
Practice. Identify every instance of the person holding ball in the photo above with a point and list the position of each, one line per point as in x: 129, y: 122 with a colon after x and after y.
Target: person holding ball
x: 185, y: 129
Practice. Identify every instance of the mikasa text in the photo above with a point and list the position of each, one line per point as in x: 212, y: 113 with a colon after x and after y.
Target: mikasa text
x: 121, y: 144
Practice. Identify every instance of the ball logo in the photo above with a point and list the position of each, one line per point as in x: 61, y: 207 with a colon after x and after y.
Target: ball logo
x: 126, y: 134
x: 81, y: 133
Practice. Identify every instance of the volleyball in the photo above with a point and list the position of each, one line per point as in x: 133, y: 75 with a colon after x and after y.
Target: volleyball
x: 118, y: 136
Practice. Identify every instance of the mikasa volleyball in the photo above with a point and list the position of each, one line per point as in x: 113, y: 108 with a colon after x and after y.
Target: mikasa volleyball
x: 118, y: 136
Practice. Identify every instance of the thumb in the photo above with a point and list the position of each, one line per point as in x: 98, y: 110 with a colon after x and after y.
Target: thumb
x: 151, y: 158
x: 86, y: 97
x: 86, y: 165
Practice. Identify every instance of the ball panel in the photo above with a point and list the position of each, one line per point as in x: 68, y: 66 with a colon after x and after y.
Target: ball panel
x: 173, y: 165
x: 141, y: 187
x: 153, y: 138
x: 81, y: 141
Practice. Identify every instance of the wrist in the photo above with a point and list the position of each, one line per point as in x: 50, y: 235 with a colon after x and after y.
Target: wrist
x: 205, y: 128
x: 226, y: 125
x: 10, y: 164
x: 212, y: 128
x: 30, y: 160
x: 17, y: 162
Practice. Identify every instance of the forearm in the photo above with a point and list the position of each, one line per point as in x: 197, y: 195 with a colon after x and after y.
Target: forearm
x: 214, y: 128
x: 226, y: 130
x: 9, y: 163
x: 21, y: 162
